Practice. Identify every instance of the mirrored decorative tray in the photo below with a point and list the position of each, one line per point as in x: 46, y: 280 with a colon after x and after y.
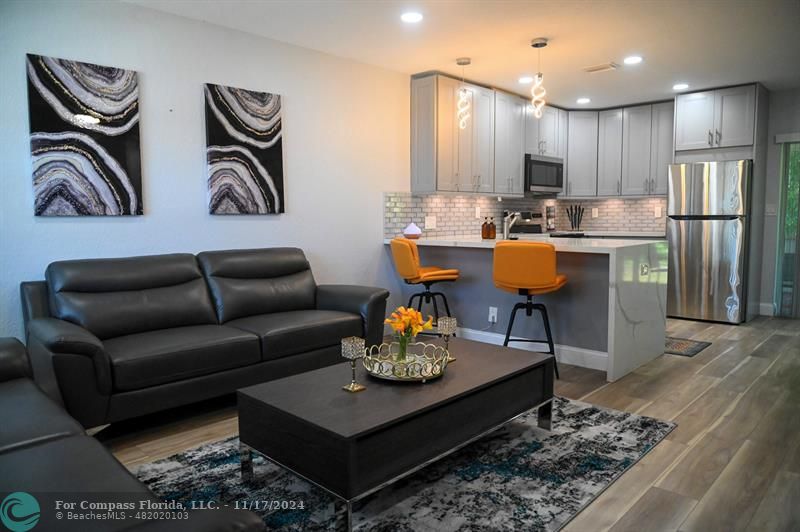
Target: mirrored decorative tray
x: 423, y: 362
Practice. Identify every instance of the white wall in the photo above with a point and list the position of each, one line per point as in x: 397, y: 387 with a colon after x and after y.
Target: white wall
x: 345, y: 126
x: 784, y: 117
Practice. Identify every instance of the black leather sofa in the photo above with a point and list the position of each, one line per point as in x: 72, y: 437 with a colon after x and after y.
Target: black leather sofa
x: 118, y: 338
x: 44, y: 452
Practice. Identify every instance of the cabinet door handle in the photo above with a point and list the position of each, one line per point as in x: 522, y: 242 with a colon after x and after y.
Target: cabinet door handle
x: 619, y: 187
x: 710, y: 138
x: 719, y: 137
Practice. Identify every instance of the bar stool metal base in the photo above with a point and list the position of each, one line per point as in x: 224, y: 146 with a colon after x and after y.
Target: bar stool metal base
x: 529, y: 306
x: 429, y: 297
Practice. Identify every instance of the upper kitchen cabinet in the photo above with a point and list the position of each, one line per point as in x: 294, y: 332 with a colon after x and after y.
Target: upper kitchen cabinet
x: 581, y: 177
x: 661, y: 152
x: 609, y: 152
x: 720, y: 118
x: 734, y: 116
x: 444, y: 156
x: 636, y: 150
x: 563, y: 133
x: 542, y: 135
x: 509, y: 144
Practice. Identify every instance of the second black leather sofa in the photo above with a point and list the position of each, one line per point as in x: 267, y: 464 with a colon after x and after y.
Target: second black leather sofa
x: 118, y: 338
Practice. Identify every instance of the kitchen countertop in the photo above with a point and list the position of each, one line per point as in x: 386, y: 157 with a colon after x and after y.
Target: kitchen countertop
x: 603, y: 246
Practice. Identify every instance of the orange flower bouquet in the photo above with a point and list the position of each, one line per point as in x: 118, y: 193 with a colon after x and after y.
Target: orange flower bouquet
x: 407, y: 323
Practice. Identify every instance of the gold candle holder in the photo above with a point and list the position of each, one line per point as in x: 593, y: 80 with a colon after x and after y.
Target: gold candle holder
x: 353, y: 349
x: 446, y: 327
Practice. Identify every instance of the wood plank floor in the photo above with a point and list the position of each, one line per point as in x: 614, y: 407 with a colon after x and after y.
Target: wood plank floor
x: 733, y: 463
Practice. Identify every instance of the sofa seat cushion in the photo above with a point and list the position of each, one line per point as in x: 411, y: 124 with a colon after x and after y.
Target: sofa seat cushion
x: 168, y: 355
x: 28, y: 416
x: 76, y: 464
x: 288, y: 333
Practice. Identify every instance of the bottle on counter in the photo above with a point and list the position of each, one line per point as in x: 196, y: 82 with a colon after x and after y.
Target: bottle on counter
x: 492, y: 229
x: 485, y: 228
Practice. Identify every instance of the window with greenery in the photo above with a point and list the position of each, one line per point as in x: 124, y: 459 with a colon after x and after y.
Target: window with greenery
x: 789, y: 259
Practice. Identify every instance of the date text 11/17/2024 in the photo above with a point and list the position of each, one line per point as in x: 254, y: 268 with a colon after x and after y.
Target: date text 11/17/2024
x: 252, y: 505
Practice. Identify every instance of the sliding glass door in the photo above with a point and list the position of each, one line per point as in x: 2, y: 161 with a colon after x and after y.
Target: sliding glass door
x: 788, y: 279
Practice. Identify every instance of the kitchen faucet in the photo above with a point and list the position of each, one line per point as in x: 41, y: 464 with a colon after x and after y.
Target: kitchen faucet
x: 509, y: 219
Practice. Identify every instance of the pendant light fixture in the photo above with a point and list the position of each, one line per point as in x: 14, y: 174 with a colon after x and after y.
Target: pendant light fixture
x: 537, y: 91
x: 463, y: 105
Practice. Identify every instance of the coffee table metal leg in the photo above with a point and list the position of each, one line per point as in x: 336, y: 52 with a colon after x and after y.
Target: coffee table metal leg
x: 246, y: 459
x: 546, y: 415
x: 344, y: 515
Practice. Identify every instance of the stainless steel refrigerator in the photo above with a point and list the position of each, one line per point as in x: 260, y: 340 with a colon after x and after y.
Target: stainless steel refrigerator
x: 707, y: 230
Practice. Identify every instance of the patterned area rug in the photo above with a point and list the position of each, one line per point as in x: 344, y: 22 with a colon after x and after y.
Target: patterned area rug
x: 684, y: 347
x: 518, y: 478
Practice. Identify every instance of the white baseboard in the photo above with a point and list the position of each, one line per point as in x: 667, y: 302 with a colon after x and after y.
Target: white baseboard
x: 766, y: 309
x: 577, y: 356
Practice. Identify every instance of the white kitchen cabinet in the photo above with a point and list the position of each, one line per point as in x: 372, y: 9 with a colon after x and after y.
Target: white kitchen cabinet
x: 483, y: 139
x: 542, y: 134
x: 581, y: 178
x: 734, y: 116
x: 454, y: 145
x: 609, y: 152
x: 423, y: 134
x: 444, y: 157
x: 509, y: 144
x: 694, y: 120
x: 715, y: 119
x: 563, y: 131
x: 661, y: 152
x: 636, y: 150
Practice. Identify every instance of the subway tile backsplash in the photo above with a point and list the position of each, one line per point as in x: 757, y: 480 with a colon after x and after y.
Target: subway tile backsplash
x: 455, y: 215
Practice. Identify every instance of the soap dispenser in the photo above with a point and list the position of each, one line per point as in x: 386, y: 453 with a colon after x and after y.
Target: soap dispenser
x: 485, y: 228
x: 492, y: 229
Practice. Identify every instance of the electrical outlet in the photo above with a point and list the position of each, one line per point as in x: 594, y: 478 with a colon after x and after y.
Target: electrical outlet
x: 771, y: 209
x: 492, y: 314
x: 477, y: 212
x: 595, y: 212
x: 657, y: 211
x: 430, y: 222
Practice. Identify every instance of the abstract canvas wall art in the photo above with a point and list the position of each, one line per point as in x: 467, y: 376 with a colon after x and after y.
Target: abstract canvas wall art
x: 244, y: 151
x: 84, y: 122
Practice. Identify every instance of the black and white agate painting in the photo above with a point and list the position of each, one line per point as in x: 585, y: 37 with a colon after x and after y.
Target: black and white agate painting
x: 84, y: 121
x: 244, y: 151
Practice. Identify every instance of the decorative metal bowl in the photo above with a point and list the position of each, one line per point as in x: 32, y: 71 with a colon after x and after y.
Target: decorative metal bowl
x: 423, y: 362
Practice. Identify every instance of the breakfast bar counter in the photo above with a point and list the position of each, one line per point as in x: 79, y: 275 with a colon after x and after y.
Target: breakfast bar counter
x: 611, y: 314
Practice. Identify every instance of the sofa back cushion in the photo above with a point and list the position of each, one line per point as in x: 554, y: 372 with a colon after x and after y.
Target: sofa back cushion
x: 248, y: 282
x: 115, y: 297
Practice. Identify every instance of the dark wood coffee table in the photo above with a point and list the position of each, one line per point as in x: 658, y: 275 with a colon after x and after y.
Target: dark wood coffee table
x: 353, y: 444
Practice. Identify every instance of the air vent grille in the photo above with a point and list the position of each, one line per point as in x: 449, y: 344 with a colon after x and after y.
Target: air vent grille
x: 605, y: 67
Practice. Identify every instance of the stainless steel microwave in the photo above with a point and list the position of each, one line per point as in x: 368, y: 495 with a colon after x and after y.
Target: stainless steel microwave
x: 543, y: 175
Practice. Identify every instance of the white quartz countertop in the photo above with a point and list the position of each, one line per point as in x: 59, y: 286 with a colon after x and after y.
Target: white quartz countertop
x: 603, y: 246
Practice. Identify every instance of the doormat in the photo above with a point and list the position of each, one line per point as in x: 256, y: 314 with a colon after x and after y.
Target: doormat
x: 684, y: 347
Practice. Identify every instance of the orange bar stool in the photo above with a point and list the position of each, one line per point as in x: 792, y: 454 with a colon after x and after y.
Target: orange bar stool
x: 406, y: 260
x: 528, y: 269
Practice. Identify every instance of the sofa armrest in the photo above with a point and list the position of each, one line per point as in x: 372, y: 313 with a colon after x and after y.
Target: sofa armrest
x: 219, y: 520
x: 48, y: 337
x: 369, y: 302
x: 14, y: 363
x: 61, y: 336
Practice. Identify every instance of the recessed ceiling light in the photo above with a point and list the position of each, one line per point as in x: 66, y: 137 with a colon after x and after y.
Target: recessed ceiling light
x: 583, y: 101
x: 633, y: 60
x: 680, y: 86
x: 412, y: 17
x: 526, y: 79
